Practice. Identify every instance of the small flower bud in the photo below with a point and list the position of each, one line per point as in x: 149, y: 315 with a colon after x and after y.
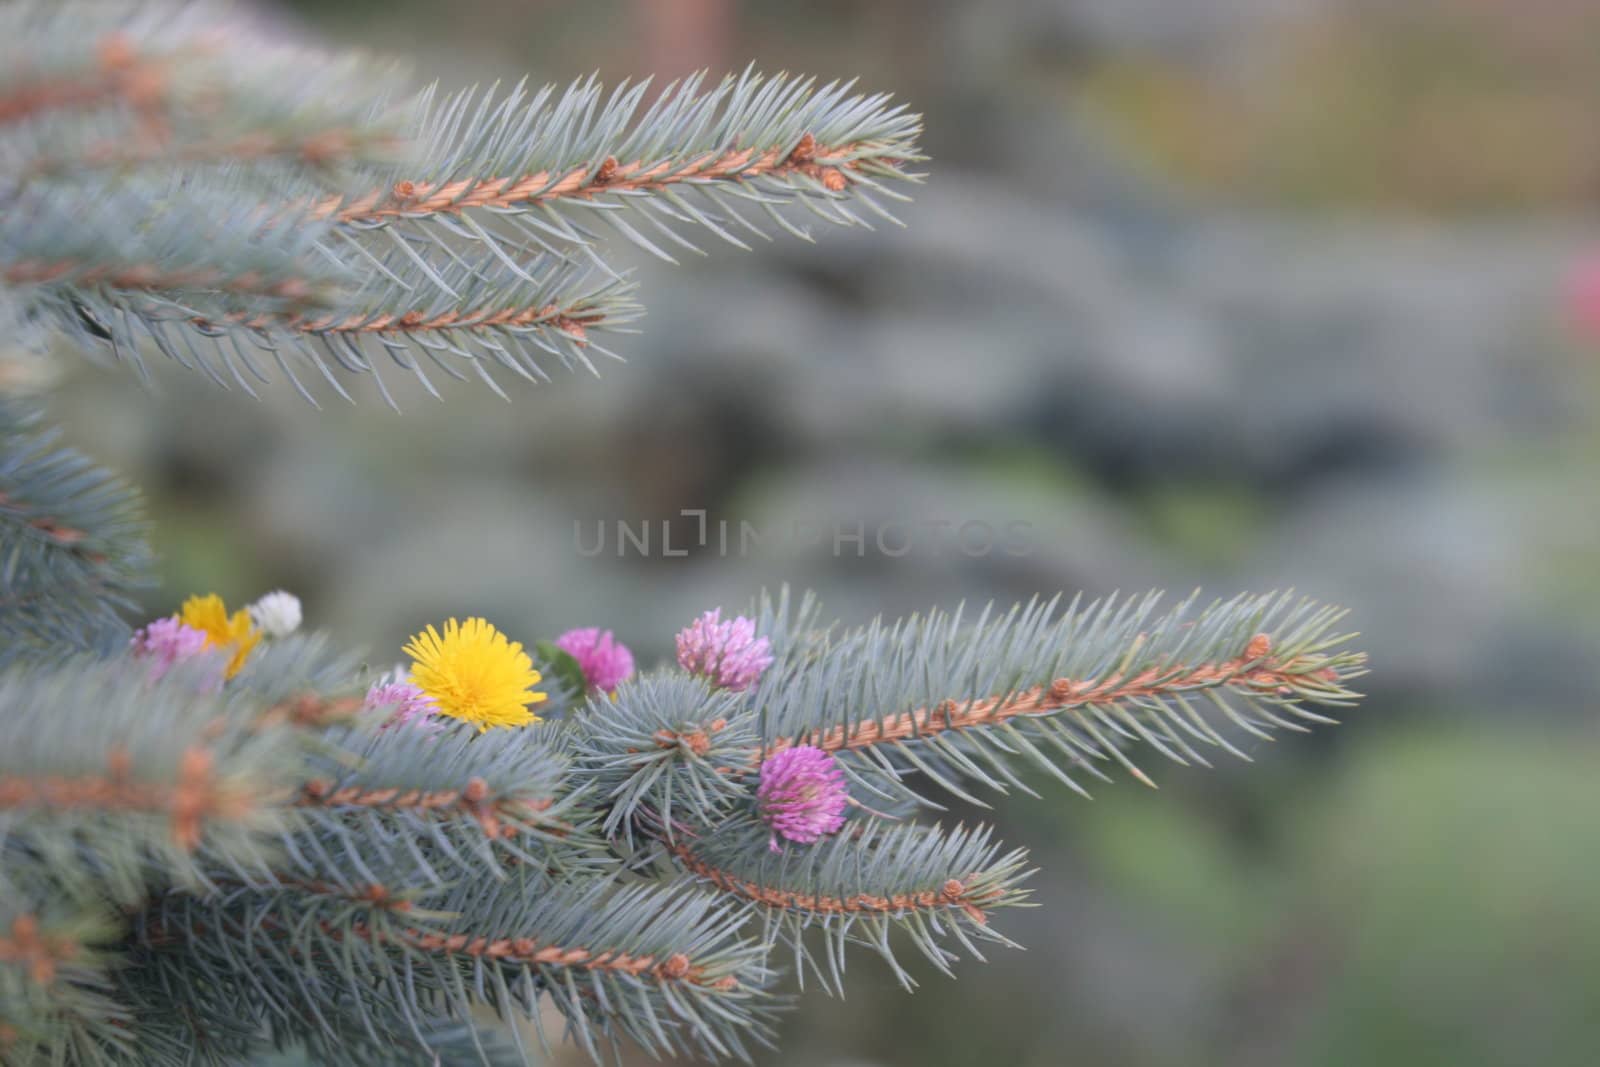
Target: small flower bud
x: 605, y: 661
x: 802, y: 795
x: 728, y: 653
x: 277, y: 614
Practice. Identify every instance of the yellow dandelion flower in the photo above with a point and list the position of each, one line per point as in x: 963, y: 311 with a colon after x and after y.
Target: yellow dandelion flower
x: 210, y: 616
x: 474, y: 673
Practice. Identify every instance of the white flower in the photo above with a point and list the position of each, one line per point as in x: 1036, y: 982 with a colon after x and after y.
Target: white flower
x: 277, y: 614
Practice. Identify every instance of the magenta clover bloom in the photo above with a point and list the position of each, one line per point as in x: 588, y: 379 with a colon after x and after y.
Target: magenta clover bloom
x: 412, y: 707
x: 801, y: 795
x: 606, y: 662
x: 166, y: 642
x: 727, y: 653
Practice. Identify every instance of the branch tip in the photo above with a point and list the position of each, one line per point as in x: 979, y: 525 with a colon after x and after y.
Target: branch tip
x: 1253, y: 670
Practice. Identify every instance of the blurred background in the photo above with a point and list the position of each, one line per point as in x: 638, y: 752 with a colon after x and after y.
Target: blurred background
x: 1240, y: 294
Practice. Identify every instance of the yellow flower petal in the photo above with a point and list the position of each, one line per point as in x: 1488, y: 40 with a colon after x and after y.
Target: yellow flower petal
x: 472, y: 672
x: 209, y: 615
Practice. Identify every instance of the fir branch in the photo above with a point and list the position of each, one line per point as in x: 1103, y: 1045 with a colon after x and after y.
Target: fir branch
x: 1061, y: 694
x: 935, y: 886
x: 660, y: 967
x: 664, y: 968
x: 57, y: 1001
x: 90, y: 85
x: 764, y: 143
x: 1255, y: 670
x: 167, y: 787
x: 409, y: 199
x: 459, y: 314
x: 662, y: 746
x: 157, y: 216
x: 131, y: 264
x: 526, y: 951
x: 378, y: 878
x: 517, y: 785
x: 155, y: 234
x: 152, y: 278
x: 952, y: 893
x: 573, y: 320
x: 194, y: 798
x: 472, y: 800
x: 409, y: 806
x: 75, y: 547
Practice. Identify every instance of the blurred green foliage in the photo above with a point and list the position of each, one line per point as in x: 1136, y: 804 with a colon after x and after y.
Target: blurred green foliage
x: 1443, y: 866
x: 1434, y: 107
x: 1428, y: 899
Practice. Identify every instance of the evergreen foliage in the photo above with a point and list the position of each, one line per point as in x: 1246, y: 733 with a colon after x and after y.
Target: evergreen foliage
x: 168, y: 180
x: 202, y: 866
x: 72, y: 545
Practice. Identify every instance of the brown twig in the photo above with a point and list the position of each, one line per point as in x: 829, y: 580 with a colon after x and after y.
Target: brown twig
x: 954, y: 893
x: 573, y: 323
x: 831, y: 166
x: 524, y: 950
x: 196, y: 797
x: 1254, y: 669
x: 473, y: 799
x: 675, y: 967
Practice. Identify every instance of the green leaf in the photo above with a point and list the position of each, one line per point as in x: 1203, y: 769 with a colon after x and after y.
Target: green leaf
x: 562, y: 666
